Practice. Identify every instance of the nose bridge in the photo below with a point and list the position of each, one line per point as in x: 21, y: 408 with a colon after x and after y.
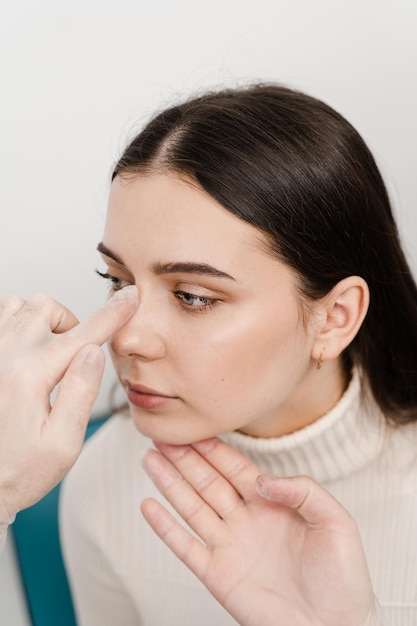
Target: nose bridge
x: 142, y: 334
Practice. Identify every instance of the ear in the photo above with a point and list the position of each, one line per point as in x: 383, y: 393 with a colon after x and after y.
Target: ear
x: 342, y: 310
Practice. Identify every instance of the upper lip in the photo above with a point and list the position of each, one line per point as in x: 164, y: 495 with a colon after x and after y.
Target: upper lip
x: 146, y: 390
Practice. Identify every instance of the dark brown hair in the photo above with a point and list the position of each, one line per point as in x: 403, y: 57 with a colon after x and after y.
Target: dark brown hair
x: 297, y: 170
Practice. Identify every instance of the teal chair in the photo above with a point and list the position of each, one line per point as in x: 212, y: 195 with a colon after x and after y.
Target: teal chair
x: 36, y: 538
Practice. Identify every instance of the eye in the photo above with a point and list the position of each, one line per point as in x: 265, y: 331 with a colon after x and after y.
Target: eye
x: 115, y: 283
x: 194, y: 302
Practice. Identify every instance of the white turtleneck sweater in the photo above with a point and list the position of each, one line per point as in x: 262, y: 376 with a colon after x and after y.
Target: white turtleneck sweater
x: 122, y: 574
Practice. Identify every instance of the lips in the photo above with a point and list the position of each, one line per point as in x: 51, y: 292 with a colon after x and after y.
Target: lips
x: 145, y: 397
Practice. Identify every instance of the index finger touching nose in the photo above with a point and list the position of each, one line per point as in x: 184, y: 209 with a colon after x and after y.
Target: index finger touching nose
x: 109, y: 318
x: 96, y: 329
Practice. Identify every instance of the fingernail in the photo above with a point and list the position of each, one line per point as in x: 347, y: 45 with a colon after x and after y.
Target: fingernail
x: 149, y: 458
x: 127, y: 293
x: 263, y: 484
x: 259, y: 484
x: 159, y: 468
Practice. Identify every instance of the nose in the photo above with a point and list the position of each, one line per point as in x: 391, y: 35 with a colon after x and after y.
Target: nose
x: 140, y: 337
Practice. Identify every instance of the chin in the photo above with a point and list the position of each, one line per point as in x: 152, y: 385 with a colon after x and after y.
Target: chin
x: 173, y: 428
x: 159, y: 432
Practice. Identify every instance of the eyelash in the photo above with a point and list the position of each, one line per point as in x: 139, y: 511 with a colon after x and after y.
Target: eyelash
x: 115, y: 283
x: 118, y: 283
x: 209, y: 303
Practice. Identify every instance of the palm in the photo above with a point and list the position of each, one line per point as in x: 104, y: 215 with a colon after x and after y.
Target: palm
x: 265, y: 562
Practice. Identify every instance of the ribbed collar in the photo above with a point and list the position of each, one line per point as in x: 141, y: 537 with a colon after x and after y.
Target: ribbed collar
x: 341, y: 442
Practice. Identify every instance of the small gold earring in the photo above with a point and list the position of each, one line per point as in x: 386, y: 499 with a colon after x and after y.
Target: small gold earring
x: 320, y: 360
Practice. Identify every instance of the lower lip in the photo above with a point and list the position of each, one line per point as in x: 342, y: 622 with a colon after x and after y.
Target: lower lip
x: 147, y: 400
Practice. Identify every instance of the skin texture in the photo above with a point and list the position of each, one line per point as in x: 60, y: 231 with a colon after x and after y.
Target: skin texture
x: 43, y: 344
x: 231, y: 353
x: 271, y: 551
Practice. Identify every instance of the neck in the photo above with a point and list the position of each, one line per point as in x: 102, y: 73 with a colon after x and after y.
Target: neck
x: 318, y: 392
x: 343, y: 441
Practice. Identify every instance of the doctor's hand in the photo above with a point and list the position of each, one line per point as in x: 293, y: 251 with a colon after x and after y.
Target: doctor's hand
x: 272, y: 550
x: 43, y: 344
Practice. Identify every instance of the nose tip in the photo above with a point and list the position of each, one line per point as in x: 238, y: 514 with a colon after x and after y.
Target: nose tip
x: 139, y: 337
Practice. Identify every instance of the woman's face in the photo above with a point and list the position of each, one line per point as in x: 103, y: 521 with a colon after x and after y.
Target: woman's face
x: 217, y: 343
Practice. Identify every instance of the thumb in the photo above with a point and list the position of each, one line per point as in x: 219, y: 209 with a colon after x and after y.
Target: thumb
x: 316, y: 505
x: 77, y: 392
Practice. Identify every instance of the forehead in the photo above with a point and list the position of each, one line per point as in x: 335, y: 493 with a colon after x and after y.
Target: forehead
x: 163, y: 212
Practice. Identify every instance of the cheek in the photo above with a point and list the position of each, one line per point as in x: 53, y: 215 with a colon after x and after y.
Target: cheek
x: 245, y: 352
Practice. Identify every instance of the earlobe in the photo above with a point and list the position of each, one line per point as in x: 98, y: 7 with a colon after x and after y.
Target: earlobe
x: 344, y: 309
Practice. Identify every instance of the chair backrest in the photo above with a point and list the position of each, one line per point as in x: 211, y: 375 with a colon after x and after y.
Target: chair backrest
x: 38, y: 550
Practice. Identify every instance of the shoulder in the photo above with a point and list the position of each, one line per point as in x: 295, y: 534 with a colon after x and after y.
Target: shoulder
x: 401, y: 443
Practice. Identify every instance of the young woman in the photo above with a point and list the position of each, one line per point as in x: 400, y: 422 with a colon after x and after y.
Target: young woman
x: 277, y: 311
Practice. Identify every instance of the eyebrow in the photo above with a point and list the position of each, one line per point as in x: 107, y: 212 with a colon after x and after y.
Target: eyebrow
x: 107, y: 252
x: 202, y: 269
x: 182, y: 267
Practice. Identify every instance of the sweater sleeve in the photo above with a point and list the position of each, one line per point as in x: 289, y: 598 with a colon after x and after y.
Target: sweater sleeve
x: 96, y: 582
x: 97, y: 590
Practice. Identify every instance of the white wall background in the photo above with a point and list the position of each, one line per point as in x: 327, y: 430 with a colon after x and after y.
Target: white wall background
x: 77, y: 77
